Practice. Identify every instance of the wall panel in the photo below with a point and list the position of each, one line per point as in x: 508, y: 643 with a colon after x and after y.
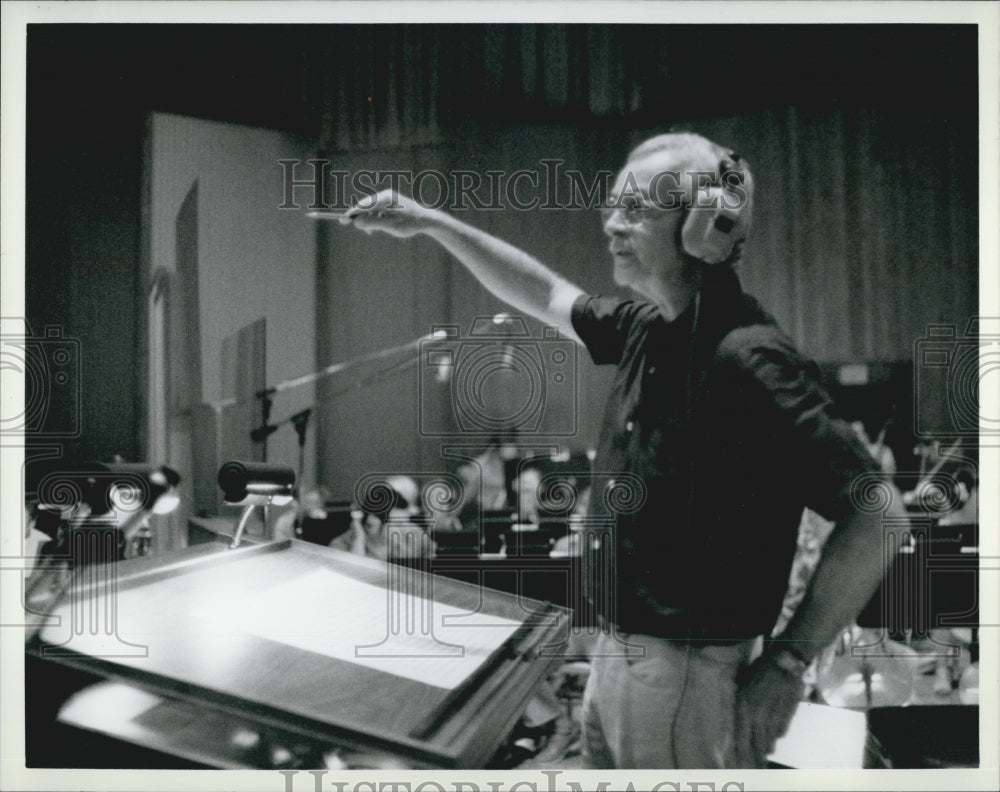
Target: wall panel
x: 255, y: 264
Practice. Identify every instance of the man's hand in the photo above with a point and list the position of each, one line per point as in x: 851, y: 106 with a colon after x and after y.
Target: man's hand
x: 764, y: 708
x: 390, y: 212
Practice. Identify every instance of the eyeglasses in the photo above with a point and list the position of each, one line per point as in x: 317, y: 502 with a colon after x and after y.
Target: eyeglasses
x: 634, y: 209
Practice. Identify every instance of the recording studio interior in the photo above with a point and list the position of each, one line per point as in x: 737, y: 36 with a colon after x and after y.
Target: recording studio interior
x: 310, y: 466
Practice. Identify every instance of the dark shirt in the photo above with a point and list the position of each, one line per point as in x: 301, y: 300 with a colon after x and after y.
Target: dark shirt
x: 716, y: 434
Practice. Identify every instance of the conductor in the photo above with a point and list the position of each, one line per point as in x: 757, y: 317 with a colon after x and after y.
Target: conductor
x: 728, y: 430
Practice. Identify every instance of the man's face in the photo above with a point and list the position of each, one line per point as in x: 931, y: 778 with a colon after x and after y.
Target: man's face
x: 643, y: 222
x: 127, y: 510
x: 372, y: 525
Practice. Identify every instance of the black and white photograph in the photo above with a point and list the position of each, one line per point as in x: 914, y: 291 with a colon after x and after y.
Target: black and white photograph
x: 494, y: 396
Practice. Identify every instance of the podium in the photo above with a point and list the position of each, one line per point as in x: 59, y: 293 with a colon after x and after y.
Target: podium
x: 287, y: 654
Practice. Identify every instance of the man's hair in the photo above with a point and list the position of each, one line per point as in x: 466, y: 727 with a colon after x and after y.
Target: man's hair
x: 381, y: 501
x: 697, y: 154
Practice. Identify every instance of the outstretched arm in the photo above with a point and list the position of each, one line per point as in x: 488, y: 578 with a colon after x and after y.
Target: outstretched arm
x: 515, y: 277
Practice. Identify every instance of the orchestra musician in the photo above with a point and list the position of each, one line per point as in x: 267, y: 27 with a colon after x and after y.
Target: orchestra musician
x: 383, y: 526
x: 726, y: 427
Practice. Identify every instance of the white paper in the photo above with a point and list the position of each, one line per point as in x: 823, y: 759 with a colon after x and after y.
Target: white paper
x: 392, y: 630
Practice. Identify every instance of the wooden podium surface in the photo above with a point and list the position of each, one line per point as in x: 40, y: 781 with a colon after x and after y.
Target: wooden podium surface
x: 328, y: 647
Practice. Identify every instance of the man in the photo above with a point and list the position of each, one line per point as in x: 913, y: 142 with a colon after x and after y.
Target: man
x: 382, y: 523
x: 723, y: 424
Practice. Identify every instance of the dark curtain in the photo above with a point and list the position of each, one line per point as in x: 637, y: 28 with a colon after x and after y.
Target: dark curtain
x: 863, y: 142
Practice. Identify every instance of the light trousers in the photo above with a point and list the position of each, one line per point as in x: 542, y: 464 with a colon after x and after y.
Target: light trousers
x: 651, y: 703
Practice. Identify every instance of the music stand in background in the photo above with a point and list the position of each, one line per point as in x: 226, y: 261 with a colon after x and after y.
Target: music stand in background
x: 933, y: 583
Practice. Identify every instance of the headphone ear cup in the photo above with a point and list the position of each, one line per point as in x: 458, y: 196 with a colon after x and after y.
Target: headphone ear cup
x: 709, y: 232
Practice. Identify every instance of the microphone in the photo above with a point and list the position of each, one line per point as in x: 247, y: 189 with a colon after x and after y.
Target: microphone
x: 250, y: 484
x: 241, y: 481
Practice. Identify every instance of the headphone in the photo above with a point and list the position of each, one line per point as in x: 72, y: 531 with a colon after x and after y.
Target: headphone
x: 713, y: 228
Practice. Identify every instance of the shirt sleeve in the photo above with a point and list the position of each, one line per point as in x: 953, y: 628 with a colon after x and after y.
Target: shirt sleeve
x: 602, y: 324
x: 818, y: 450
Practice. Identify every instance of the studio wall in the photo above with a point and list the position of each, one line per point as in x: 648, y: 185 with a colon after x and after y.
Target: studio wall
x: 236, y: 261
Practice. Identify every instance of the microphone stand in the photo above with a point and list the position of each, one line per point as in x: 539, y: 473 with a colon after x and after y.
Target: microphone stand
x: 300, y: 420
x: 266, y: 402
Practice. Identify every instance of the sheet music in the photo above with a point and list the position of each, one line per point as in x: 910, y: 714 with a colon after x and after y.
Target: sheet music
x: 822, y: 737
x: 392, y: 629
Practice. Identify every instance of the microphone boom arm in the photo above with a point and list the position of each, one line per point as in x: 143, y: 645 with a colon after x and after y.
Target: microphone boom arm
x: 337, y: 368
x: 300, y: 419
